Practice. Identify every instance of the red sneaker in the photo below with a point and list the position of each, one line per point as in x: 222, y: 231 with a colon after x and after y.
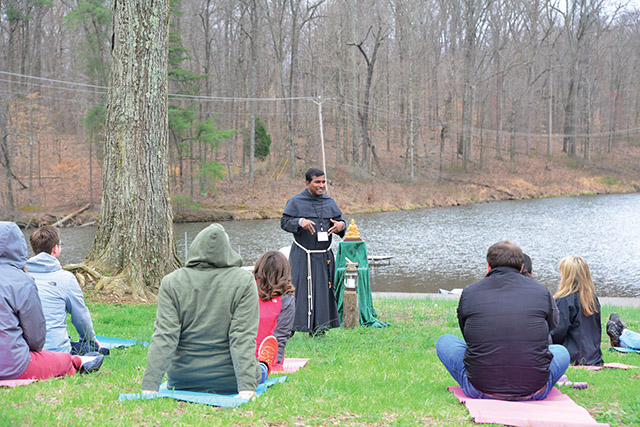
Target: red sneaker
x: 268, y: 351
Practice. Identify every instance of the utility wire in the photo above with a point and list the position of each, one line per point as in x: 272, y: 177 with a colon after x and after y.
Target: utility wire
x: 336, y: 102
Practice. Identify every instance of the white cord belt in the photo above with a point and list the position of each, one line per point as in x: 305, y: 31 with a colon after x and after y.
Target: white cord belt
x: 309, y: 281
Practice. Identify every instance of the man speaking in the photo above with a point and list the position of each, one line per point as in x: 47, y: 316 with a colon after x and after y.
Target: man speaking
x: 313, y: 218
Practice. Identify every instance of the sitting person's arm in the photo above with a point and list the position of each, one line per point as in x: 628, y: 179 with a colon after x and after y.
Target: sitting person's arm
x: 166, y: 334
x: 31, y: 317
x: 567, y: 317
x: 80, y: 316
x: 284, y: 324
x: 242, y: 339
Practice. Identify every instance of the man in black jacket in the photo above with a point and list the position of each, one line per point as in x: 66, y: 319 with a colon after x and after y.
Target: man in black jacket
x: 505, y: 319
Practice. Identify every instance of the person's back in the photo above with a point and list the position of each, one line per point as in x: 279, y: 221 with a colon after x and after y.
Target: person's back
x: 505, y: 322
x: 277, y: 301
x: 21, y: 318
x: 206, y: 324
x: 59, y: 293
x: 505, y: 319
x: 579, y: 329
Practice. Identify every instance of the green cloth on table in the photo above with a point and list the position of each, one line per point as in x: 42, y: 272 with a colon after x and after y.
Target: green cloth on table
x: 356, y: 251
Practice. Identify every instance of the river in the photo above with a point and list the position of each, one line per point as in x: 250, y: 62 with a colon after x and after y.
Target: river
x: 446, y: 247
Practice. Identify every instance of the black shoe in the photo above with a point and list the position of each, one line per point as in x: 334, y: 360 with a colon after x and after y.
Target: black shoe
x: 92, y: 365
x: 616, y: 319
x: 614, y: 336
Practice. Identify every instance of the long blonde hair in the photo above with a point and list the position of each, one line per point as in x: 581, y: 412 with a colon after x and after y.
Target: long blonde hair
x: 576, y: 277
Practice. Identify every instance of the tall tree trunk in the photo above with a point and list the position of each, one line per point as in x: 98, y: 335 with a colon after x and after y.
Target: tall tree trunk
x: 7, y: 207
x: 134, y: 244
x: 354, y: 84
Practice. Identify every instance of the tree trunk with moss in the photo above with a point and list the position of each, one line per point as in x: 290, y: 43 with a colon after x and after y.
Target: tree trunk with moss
x: 134, y: 245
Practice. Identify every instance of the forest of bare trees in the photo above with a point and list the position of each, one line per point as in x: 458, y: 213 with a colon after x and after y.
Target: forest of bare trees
x: 439, y: 81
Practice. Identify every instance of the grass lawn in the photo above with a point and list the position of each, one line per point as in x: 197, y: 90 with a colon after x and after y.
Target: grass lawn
x: 371, y: 377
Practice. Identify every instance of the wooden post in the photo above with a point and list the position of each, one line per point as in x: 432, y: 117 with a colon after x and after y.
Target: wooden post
x: 350, y: 309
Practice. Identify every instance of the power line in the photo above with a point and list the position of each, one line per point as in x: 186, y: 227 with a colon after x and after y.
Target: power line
x: 337, y: 102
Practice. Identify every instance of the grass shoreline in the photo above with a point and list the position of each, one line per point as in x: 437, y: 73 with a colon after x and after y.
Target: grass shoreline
x: 371, y: 377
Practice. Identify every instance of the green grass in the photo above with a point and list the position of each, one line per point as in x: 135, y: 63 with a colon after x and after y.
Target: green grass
x: 608, y: 180
x: 371, y: 377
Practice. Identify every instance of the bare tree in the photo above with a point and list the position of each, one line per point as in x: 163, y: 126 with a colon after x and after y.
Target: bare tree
x: 580, y: 20
x: 378, y: 33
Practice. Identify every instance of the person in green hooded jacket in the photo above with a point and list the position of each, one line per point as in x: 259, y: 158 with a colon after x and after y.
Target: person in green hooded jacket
x: 206, y: 324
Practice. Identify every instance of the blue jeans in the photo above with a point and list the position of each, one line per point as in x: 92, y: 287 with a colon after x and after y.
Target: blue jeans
x: 450, y: 350
x: 264, y: 372
x: 630, y: 339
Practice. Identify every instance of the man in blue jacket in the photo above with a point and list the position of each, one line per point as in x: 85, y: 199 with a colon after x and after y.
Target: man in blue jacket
x: 22, y: 325
x: 505, y: 320
x: 60, y: 294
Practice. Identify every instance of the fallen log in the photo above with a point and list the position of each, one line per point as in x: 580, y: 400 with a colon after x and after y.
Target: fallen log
x: 71, y: 215
x: 74, y: 268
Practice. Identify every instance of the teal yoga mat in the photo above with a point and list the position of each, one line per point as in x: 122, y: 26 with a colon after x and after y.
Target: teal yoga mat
x: 624, y: 349
x: 203, y: 398
x: 111, y: 342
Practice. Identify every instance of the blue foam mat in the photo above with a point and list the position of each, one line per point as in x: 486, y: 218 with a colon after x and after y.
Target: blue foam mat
x: 624, y: 349
x: 212, y: 399
x: 111, y: 342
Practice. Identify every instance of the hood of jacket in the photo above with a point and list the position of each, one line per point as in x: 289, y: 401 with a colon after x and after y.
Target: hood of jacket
x: 211, y: 248
x: 13, y: 246
x: 43, y: 263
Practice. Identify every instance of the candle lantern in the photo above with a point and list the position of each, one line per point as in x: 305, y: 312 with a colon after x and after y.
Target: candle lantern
x: 351, y: 312
x: 351, y: 276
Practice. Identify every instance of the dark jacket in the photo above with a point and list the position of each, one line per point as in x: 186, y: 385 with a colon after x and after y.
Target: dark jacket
x: 578, y: 333
x: 22, y: 325
x: 505, y: 319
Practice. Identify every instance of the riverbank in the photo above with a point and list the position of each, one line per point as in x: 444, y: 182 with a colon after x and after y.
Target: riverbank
x: 609, y: 301
x: 530, y: 177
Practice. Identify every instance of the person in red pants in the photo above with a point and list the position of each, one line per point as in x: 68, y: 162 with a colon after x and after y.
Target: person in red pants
x: 22, y: 325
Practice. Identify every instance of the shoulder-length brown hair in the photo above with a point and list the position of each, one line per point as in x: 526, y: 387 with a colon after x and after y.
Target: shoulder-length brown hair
x: 273, y: 275
x: 576, y: 277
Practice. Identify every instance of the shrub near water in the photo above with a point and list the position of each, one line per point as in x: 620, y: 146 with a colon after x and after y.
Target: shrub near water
x: 374, y: 377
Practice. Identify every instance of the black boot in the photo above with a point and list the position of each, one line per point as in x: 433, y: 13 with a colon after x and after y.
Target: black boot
x: 614, y: 329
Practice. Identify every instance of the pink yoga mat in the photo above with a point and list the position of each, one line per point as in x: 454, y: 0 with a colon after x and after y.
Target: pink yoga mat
x: 556, y: 410
x: 290, y: 365
x: 13, y: 383
x: 612, y: 365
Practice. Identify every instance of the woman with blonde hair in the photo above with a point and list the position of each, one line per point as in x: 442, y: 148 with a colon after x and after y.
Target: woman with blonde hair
x: 277, y: 301
x: 579, y: 329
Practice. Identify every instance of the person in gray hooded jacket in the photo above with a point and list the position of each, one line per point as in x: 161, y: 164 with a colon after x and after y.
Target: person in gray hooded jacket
x: 22, y: 324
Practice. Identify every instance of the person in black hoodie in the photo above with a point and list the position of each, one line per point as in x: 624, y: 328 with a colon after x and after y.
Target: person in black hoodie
x: 505, y: 320
x: 579, y: 329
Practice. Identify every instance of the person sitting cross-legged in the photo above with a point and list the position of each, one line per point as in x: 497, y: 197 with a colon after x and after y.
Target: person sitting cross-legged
x: 277, y: 300
x: 60, y: 294
x: 505, y: 320
x: 206, y: 324
x: 22, y: 325
x: 579, y: 329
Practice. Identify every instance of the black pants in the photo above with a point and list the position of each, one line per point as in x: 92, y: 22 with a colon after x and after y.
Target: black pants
x: 81, y: 348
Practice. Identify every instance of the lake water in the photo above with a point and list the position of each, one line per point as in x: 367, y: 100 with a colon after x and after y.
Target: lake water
x: 446, y: 247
